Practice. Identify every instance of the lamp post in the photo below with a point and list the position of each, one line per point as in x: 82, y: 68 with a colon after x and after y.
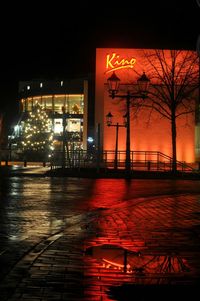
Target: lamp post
x: 63, y: 137
x: 109, y: 117
x: 113, y: 89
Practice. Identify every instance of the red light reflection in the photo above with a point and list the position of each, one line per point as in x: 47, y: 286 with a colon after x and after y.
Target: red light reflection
x: 111, y: 265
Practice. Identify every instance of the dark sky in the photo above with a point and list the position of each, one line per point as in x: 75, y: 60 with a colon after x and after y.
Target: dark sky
x: 58, y: 39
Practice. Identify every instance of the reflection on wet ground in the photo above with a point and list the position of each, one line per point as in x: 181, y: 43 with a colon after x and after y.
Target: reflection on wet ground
x: 117, y: 273
x: 136, y: 263
x: 98, y: 240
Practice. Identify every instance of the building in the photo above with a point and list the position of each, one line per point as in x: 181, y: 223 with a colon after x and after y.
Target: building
x: 84, y: 103
x: 65, y: 102
x: 149, y: 130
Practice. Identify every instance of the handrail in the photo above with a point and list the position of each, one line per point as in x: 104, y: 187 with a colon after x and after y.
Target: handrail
x: 148, y: 159
x: 142, y: 160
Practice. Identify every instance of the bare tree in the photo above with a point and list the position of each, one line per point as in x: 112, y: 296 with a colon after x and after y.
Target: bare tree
x: 174, y: 76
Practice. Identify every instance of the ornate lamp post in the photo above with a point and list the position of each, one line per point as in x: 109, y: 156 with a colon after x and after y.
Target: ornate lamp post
x: 109, y: 117
x: 113, y: 89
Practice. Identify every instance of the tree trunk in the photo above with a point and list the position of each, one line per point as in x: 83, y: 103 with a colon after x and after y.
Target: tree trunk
x: 173, y: 129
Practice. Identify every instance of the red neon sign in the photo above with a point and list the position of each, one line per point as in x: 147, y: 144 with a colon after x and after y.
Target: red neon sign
x: 114, y: 62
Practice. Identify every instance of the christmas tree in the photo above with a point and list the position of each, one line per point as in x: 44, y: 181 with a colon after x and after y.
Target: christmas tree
x: 37, y: 135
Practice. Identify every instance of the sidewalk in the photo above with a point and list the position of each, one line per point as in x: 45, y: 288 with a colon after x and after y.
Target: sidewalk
x: 37, y: 169
x: 120, y: 174
x: 152, y: 241
x: 20, y: 170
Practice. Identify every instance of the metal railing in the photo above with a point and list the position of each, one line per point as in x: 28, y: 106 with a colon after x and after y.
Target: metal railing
x: 140, y: 160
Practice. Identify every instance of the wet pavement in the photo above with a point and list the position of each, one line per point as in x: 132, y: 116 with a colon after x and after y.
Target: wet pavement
x: 104, y: 239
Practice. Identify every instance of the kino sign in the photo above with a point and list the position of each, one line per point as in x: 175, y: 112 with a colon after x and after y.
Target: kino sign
x: 115, y: 62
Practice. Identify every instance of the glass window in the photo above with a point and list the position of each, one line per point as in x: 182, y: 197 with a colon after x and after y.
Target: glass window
x: 58, y: 127
x: 29, y: 104
x: 73, y: 125
x: 75, y: 104
x: 59, y: 102
x: 37, y: 99
x: 47, y: 100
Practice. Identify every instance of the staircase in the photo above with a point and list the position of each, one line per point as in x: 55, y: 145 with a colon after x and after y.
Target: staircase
x: 147, y: 160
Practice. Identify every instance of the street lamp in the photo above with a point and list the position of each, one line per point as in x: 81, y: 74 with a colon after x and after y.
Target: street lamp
x: 109, y: 117
x: 63, y: 137
x: 113, y: 89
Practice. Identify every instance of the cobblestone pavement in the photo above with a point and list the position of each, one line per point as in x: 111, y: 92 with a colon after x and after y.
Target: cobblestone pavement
x: 153, y: 240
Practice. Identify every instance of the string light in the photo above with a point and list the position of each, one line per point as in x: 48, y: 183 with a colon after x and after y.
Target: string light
x: 37, y: 133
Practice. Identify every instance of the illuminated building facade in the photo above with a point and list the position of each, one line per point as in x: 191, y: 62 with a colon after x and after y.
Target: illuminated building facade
x: 149, y: 130
x: 61, y: 99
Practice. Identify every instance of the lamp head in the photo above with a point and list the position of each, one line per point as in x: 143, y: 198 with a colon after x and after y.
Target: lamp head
x: 109, y: 117
x: 143, y: 84
x: 113, y: 84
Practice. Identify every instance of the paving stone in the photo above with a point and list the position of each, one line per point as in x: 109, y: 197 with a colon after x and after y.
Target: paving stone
x: 63, y: 271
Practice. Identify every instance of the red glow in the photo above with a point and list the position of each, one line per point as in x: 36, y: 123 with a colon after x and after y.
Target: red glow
x: 109, y: 263
x: 149, y: 131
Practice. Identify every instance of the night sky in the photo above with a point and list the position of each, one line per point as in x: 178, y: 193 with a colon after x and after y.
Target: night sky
x: 58, y: 39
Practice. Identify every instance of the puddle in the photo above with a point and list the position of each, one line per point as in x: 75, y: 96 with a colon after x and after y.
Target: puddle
x: 117, y: 273
x: 135, y: 262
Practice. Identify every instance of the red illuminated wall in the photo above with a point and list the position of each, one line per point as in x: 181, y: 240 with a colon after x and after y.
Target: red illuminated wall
x: 146, y: 134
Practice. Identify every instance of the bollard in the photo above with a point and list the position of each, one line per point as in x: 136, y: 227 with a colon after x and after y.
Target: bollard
x: 25, y: 163
x: 149, y: 165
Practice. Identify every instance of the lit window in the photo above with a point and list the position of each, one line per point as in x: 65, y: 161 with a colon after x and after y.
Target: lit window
x: 61, y: 83
x: 58, y: 127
